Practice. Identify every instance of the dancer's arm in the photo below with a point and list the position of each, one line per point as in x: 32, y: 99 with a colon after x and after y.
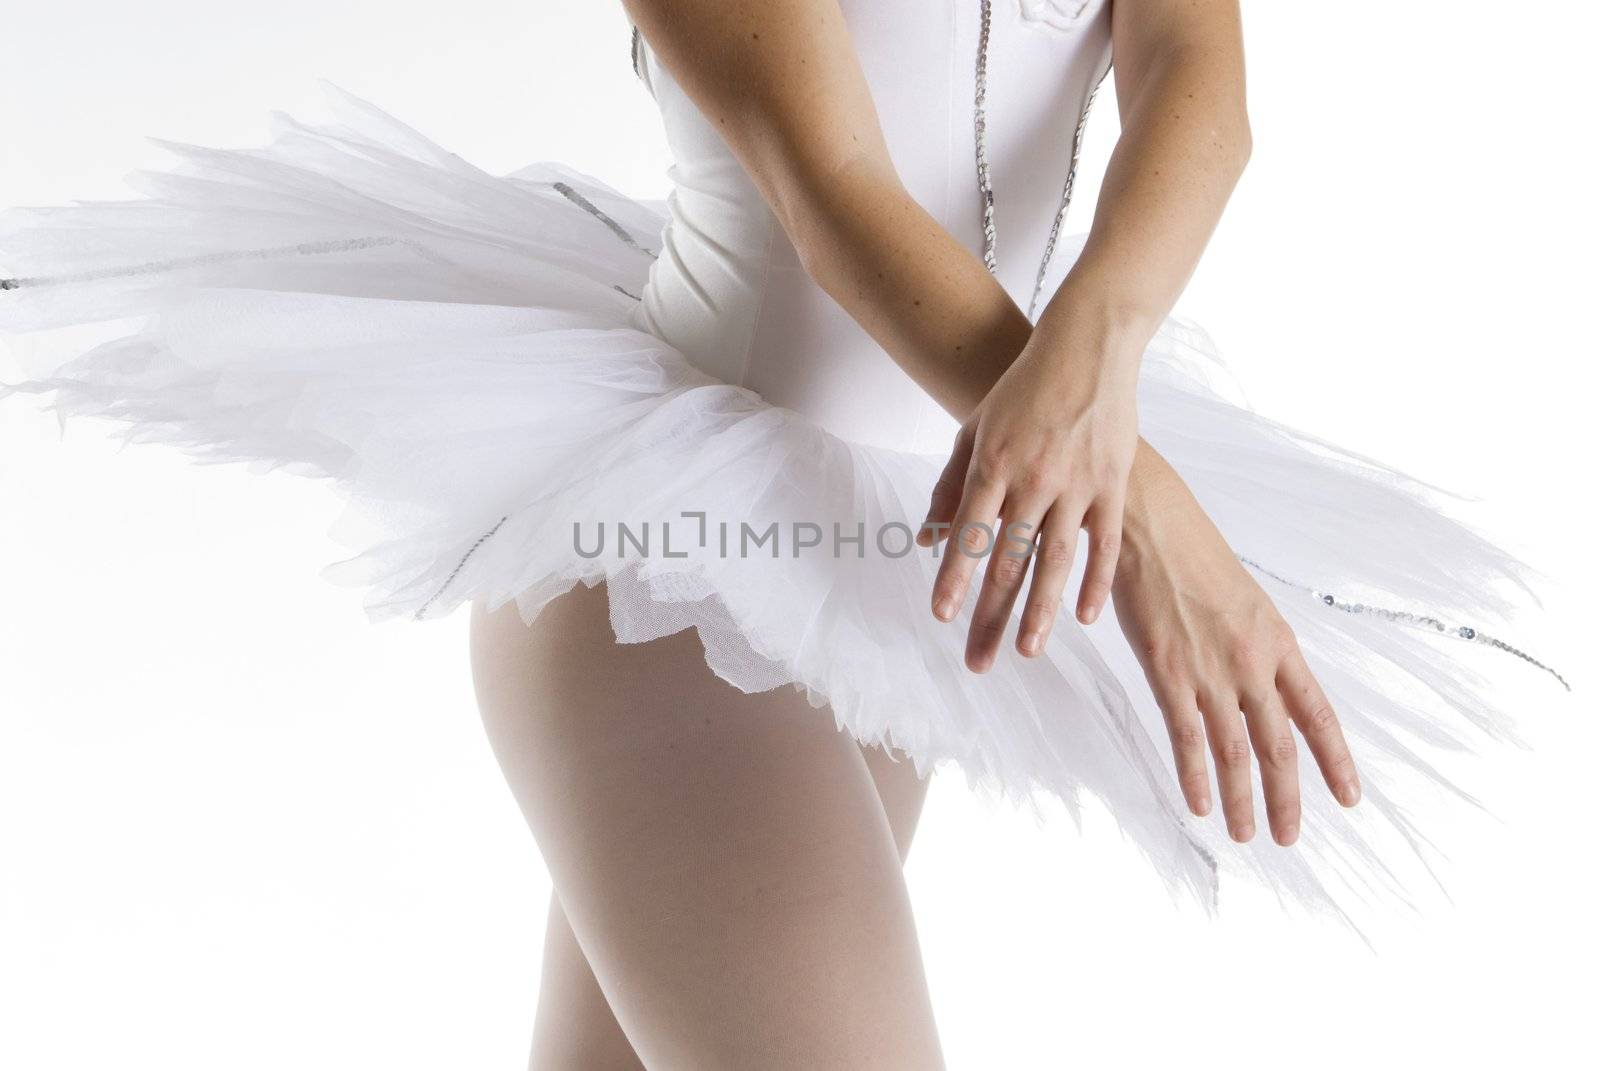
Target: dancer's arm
x: 1179, y: 73
x: 1052, y: 444
x: 781, y: 82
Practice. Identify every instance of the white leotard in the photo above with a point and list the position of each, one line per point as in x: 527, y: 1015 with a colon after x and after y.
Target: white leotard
x: 728, y: 289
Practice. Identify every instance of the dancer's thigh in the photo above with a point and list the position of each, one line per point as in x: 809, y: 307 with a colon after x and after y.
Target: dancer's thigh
x: 723, y: 859
x: 575, y: 1029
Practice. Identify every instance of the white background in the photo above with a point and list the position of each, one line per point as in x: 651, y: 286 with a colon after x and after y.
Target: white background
x: 241, y: 828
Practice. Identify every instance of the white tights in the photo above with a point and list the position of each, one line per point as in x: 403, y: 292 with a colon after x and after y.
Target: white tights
x: 727, y: 867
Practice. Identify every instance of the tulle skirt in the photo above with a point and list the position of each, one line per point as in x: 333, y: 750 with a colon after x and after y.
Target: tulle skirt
x: 454, y: 349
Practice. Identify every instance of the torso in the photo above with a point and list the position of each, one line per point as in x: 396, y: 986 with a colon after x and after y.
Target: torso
x: 728, y: 289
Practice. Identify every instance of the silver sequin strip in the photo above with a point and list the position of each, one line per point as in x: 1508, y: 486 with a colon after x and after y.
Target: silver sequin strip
x: 981, y: 152
x: 621, y: 232
x: 1406, y: 617
x: 590, y: 207
x: 460, y: 565
x: 980, y: 142
x: 317, y: 248
x: 1066, y: 197
x: 302, y: 249
x: 157, y: 267
x: 616, y: 228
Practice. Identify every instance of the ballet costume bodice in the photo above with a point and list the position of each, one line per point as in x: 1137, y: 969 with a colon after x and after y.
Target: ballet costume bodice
x: 729, y: 289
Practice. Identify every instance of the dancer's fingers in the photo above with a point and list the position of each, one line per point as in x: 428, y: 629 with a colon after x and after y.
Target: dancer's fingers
x: 1314, y: 716
x: 1186, y: 730
x: 1273, y: 740
x: 947, y: 490
x: 1058, y: 541
x: 1002, y: 582
x: 972, y: 537
x: 1230, y: 750
x: 1104, y: 524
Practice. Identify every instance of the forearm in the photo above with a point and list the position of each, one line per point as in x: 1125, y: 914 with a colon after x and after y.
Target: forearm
x: 933, y: 307
x: 922, y: 296
x: 927, y: 300
x: 780, y: 82
x: 1184, y: 142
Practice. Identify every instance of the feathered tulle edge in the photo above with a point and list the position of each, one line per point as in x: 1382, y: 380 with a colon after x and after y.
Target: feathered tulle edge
x: 1182, y: 375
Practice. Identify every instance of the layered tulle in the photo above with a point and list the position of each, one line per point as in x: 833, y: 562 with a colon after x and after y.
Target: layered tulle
x: 454, y: 349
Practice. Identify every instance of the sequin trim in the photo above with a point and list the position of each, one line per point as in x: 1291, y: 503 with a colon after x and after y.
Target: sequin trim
x: 1066, y: 197
x: 980, y: 142
x: 1405, y: 617
x: 980, y: 125
x: 301, y: 249
x: 617, y: 229
x: 158, y: 267
x: 590, y: 207
x: 460, y: 565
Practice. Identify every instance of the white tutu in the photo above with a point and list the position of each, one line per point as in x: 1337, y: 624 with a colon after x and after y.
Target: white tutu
x: 453, y: 349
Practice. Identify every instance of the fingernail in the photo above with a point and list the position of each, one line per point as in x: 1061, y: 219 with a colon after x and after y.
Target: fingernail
x: 1030, y: 644
x: 1202, y: 806
x: 945, y: 608
x: 1350, y: 794
x: 1287, y: 835
x: 1243, y: 833
x: 1089, y: 614
x: 980, y: 663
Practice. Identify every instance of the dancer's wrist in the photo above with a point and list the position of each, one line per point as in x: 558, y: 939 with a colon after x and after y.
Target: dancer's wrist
x: 1098, y: 327
x: 1156, y: 493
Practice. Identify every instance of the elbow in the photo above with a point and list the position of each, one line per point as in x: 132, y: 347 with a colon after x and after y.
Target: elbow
x: 1236, y: 125
x: 811, y: 233
x: 805, y: 225
x: 1242, y: 142
x: 813, y: 261
x: 801, y: 209
x: 1227, y: 144
x: 1229, y: 129
x: 1229, y: 148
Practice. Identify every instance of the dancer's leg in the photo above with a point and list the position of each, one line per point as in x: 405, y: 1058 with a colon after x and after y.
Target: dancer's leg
x: 574, y: 1029
x: 723, y: 859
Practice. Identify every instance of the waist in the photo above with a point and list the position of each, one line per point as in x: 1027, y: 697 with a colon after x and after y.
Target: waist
x: 748, y: 314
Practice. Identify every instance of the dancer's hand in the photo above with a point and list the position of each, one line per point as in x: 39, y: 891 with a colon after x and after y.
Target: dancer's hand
x: 1047, y: 452
x: 1224, y: 666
